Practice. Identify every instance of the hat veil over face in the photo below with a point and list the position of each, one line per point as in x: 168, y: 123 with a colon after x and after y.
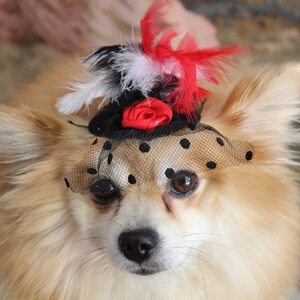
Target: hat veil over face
x: 154, y: 97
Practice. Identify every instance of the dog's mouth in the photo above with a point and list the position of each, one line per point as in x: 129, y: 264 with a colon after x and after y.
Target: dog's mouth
x: 144, y: 271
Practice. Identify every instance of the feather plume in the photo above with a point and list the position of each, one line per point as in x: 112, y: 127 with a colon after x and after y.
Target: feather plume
x: 188, y: 63
x: 85, y: 92
x: 151, y: 24
x: 100, y: 81
x: 115, y: 70
x: 138, y: 71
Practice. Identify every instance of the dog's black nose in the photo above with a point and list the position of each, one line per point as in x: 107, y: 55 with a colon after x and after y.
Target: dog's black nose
x: 138, y: 245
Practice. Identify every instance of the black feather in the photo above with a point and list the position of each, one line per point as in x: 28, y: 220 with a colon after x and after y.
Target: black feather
x: 102, y: 57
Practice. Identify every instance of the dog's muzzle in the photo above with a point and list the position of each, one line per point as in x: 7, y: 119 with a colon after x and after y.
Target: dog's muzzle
x: 138, y: 245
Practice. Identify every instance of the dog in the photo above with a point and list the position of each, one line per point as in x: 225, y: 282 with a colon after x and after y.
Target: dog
x: 236, y: 236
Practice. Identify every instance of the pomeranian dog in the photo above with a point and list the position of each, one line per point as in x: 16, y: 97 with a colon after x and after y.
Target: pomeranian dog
x: 235, y: 237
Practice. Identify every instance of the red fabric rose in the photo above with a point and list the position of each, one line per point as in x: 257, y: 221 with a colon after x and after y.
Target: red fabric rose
x: 147, y: 114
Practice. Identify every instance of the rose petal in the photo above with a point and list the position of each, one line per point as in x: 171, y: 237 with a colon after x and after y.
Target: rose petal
x: 138, y: 124
x: 147, y: 114
x: 162, y: 120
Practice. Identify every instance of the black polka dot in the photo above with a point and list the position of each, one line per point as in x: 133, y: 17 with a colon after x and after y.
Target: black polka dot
x: 95, y: 142
x: 144, y: 147
x: 170, y: 173
x: 92, y: 171
x: 67, y: 182
x: 220, y: 141
x: 110, y: 158
x: 185, y: 143
x: 249, y: 155
x: 131, y: 179
x: 211, y: 165
x: 107, y: 145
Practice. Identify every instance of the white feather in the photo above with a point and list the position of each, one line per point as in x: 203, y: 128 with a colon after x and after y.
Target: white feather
x: 138, y: 70
x: 95, y: 85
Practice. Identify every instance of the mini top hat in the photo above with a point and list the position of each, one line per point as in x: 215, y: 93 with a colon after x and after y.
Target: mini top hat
x: 151, y: 94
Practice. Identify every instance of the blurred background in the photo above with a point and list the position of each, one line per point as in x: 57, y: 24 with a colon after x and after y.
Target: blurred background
x: 34, y: 34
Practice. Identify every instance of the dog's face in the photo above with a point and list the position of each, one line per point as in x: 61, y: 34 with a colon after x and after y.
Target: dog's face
x: 229, y: 225
x: 148, y: 227
x: 149, y: 195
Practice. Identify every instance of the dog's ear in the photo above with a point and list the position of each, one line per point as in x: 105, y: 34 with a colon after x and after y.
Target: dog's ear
x: 25, y: 137
x: 265, y: 104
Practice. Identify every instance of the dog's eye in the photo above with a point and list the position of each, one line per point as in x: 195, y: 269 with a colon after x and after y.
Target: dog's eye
x: 184, y: 183
x: 104, y: 192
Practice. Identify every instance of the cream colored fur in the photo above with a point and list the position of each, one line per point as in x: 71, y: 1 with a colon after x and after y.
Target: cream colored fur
x: 49, y: 236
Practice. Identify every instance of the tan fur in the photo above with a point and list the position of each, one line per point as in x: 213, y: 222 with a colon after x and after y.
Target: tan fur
x: 49, y: 235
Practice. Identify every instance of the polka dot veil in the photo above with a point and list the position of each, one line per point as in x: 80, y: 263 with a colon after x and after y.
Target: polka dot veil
x: 135, y: 161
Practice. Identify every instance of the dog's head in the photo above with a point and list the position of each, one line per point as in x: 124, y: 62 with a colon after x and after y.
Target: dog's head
x: 239, y: 219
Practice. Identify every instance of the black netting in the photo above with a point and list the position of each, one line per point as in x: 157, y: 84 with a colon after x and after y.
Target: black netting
x: 134, y: 161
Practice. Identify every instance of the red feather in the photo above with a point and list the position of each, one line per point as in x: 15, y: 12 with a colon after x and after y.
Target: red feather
x: 189, y: 64
x: 151, y: 24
